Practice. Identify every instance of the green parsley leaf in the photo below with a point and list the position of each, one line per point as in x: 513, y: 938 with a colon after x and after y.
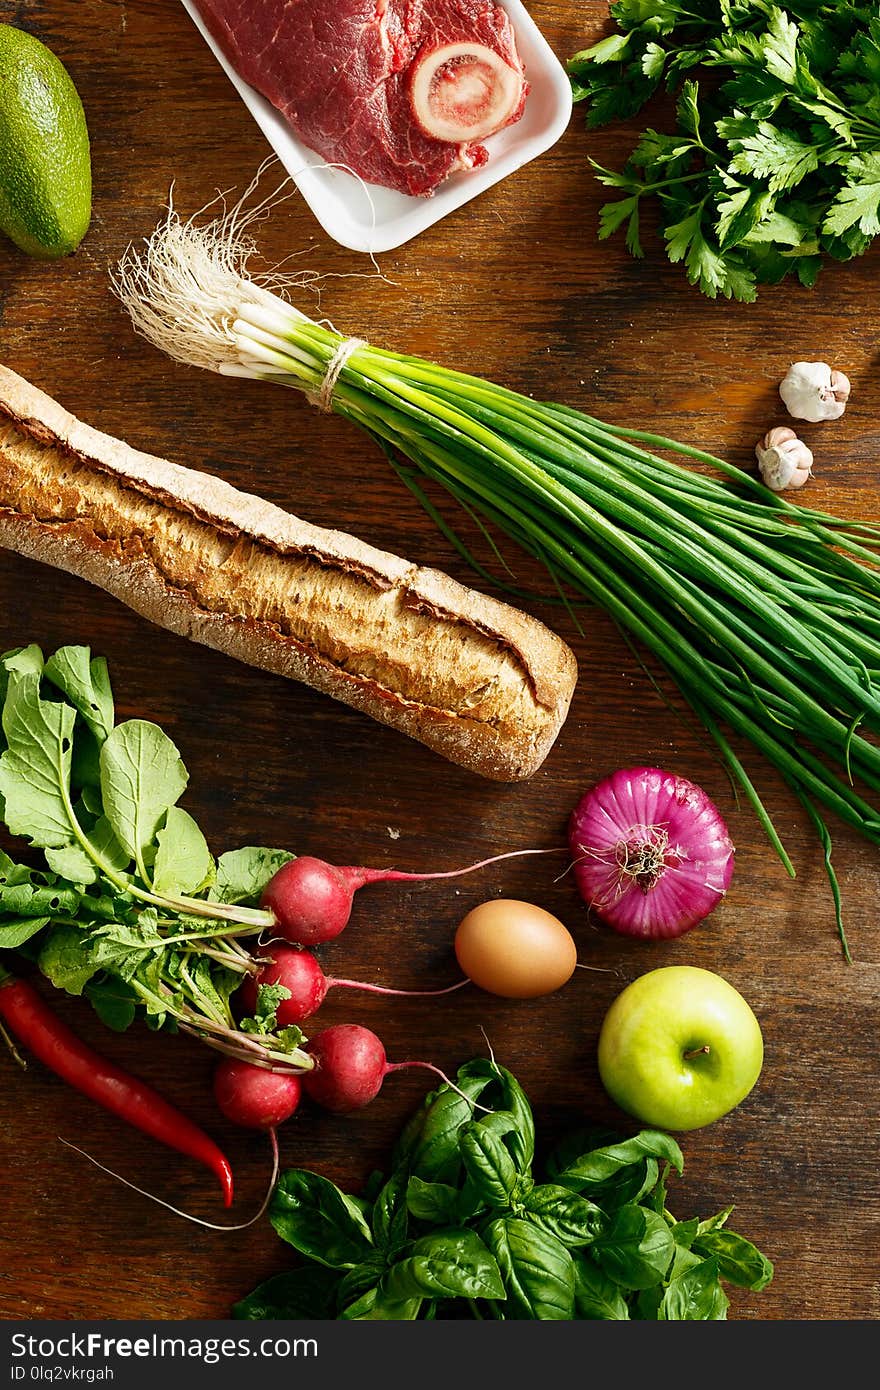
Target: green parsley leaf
x: 858, y: 204
x: 772, y: 154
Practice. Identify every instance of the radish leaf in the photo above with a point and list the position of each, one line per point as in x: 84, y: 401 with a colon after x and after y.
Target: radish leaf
x: 35, y: 768
x: 242, y: 874
x: 86, y: 683
x: 15, y: 933
x: 142, y: 777
x: 183, y: 864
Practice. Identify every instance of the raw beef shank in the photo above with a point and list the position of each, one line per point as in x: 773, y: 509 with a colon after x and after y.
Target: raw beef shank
x: 402, y: 92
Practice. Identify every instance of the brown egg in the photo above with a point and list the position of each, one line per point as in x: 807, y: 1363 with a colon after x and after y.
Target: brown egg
x: 515, y: 949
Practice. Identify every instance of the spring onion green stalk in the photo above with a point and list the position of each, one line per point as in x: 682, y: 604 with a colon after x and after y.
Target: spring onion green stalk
x: 764, y: 613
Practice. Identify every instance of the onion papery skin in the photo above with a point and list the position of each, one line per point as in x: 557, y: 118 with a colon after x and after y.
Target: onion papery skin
x: 652, y: 854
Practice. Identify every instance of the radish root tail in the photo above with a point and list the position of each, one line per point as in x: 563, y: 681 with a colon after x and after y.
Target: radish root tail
x: 187, y: 1216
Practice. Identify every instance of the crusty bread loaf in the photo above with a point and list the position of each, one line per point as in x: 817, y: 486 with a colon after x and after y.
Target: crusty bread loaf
x: 476, y: 680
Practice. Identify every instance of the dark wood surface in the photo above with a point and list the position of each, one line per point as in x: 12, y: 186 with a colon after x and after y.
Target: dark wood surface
x: 514, y: 286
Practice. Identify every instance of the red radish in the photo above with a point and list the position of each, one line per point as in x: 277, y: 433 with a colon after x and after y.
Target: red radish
x: 311, y: 900
x: 350, y: 1066
x: 254, y: 1097
x: 652, y: 853
x: 299, y: 973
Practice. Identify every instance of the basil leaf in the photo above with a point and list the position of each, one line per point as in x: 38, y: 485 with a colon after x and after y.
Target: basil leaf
x: 714, y: 1223
x: 682, y: 1259
x: 183, y: 863
x: 566, y: 1215
x: 86, y: 683
x: 739, y: 1261
x: 521, y: 1141
x: 445, y: 1264
x: 601, y: 1164
x: 597, y: 1298
x: 389, y: 1217
x: 302, y: 1295
x: 501, y: 1123
x: 375, y: 1306
x: 537, y: 1271
x: 319, y: 1220
x: 15, y: 933
x: 428, y: 1147
x: 142, y: 777
x: 656, y: 1194
x: 646, y: 1304
x: 634, y: 1248
x: 629, y: 1184
x: 360, y: 1280
x: 435, y: 1202
x: 35, y: 768
x: 695, y: 1296
x: 242, y: 874
x: 683, y: 1232
x: 487, y: 1163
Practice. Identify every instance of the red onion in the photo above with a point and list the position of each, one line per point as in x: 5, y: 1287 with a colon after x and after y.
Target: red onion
x: 652, y: 853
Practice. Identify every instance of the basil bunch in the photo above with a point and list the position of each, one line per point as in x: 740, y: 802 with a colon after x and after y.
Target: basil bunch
x: 464, y: 1226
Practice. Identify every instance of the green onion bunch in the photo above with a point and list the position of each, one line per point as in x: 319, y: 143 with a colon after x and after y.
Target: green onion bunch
x: 764, y: 613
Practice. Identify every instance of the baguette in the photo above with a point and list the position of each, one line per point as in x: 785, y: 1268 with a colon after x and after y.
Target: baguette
x: 477, y: 681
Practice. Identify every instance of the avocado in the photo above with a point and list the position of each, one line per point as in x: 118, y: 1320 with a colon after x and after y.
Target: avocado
x: 45, y: 158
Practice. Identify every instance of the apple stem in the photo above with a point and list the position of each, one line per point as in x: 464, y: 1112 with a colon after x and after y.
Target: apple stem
x: 697, y: 1051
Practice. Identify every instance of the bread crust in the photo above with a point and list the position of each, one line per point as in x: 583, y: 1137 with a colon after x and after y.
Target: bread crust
x: 478, y: 681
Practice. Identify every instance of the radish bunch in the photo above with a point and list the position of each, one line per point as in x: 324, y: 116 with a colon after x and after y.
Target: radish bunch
x: 310, y: 901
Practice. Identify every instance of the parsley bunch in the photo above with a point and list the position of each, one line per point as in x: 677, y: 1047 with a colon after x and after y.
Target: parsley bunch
x: 775, y: 159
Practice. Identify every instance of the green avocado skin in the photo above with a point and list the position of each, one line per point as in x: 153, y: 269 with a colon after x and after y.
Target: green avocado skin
x: 45, y: 159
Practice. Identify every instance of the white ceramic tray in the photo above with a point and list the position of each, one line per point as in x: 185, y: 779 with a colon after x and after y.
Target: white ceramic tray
x: 365, y: 217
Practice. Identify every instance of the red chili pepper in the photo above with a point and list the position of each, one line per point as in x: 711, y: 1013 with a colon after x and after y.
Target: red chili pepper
x: 35, y: 1025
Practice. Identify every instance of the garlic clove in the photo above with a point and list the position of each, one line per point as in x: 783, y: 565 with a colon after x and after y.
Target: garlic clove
x: 812, y: 391
x: 840, y: 387
x: 780, y: 434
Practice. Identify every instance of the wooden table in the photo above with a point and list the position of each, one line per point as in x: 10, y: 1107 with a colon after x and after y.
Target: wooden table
x: 514, y: 286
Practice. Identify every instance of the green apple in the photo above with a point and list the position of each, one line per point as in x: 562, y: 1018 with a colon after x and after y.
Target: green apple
x: 679, y: 1048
